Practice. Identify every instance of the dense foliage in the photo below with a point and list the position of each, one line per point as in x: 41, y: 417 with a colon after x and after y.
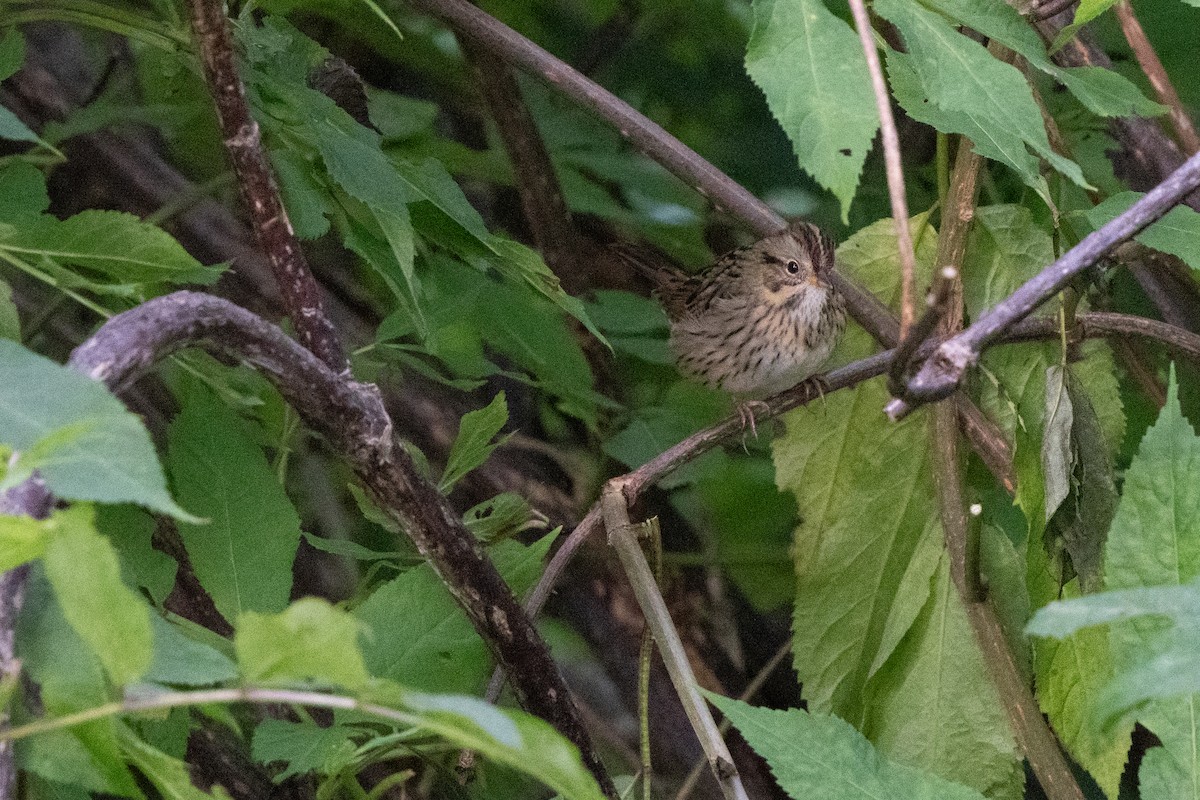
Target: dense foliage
x: 217, y: 605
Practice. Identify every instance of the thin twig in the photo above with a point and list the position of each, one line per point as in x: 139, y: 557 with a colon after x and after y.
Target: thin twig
x: 943, y: 371
x: 1050, y: 8
x: 243, y: 141
x: 1146, y: 56
x: 895, y: 171
x: 937, y: 304
x: 658, y: 619
x: 352, y: 419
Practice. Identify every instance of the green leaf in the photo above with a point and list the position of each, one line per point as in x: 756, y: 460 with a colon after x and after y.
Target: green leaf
x: 12, y: 53
x: 811, y: 67
x: 182, y: 661
x: 116, y: 245
x: 474, y: 445
x: 1102, y: 91
x: 71, y: 679
x: 970, y: 92
x: 303, y: 747
x: 1071, y: 675
x: 512, y: 738
x: 131, y: 530
x: 24, y: 538
x: 877, y: 629
x: 305, y: 200
x: 1155, y: 541
x: 437, y: 649
x: 13, y: 129
x: 1177, y: 232
x: 244, y: 555
x: 311, y: 640
x: 23, y: 193
x: 89, y: 446
x: 114, y: 621
x: 499, y: 517
x: 816, y: 755
x: 169, y: 775
x: 519, y: 263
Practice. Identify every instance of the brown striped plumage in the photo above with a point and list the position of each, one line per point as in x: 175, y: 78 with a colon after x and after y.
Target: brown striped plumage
x: 759, y: 320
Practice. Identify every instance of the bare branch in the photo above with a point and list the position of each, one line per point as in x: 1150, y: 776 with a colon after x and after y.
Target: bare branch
x: 895, y: 172
x: 272, y: 229
x: 943, y: 371
x: 1185, y: 131
x: 615, y: 510
x: 351, y: 417
x: 541, y: 194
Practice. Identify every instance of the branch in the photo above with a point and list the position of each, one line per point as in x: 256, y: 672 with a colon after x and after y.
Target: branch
x: 891, y: 157
x: 351, y: 417
x: 541, y: 195
x: 615, y: 510
x: 272, y: 229
x: 645, y: 135
x: 942, y: 372
x: 29, y: 498
x: 1185, y: 132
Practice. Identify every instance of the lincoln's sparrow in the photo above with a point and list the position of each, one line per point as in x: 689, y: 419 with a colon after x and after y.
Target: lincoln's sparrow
x: 759, y: 320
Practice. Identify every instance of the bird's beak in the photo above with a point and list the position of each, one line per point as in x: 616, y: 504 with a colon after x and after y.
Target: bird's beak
x: 815, y: 280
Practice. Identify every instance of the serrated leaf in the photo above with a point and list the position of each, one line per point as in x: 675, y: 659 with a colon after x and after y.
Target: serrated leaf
x: 870, y: 595
x: 303, y: 197
x: 918, y: 688
x: 114, y: 621
x: 117, y: 245
x: 1177, y: 232
x: 1155, y: 541
x: 436, y: 649
x: 131, y: 530
x: 816, y: 755
x: 23, y: 194
x: 1102, y: 91
x: 244, y: 554
x: 967, y: 84
x: 310, y: 640
x: 499, y: 518
x: 110, y: 457
x: 474, y: 445
x: 519, y: 263
x: 811, y: 67
x: 303, y: 747
x: 1071, y: 675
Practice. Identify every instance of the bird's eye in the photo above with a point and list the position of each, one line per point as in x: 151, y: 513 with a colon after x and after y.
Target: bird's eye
x: 793, y: 267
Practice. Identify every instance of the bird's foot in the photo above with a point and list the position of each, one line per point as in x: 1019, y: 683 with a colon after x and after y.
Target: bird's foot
x: 814, y: 386
x: 745, y: 410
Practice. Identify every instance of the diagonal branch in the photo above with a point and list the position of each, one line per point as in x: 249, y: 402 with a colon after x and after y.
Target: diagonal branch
x: 1185, y: 131
x: 944, y: 370
x: 243, y: 141
x: 352, y: 419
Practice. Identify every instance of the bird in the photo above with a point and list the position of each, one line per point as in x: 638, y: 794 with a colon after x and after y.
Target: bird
x: 760, y: 319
